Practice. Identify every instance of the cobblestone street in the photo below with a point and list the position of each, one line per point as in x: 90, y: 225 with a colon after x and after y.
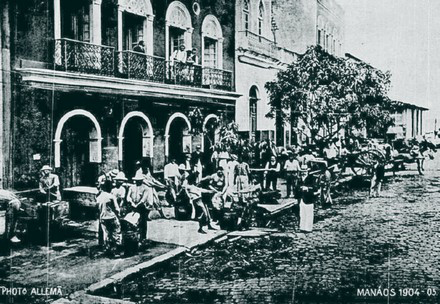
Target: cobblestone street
x: 361, y: 250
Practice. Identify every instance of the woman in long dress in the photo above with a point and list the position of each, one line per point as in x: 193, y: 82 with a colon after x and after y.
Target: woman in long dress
x: 307, y: 194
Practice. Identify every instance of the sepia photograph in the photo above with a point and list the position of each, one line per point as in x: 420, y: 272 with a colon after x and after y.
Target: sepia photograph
x: 219, y: 151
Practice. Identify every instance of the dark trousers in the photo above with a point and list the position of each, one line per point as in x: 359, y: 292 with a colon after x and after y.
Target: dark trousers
x: 143, y: 212
x: 290, y: 182
x: 271, y: 179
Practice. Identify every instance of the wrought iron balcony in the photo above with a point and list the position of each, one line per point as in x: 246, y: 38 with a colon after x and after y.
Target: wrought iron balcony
x: 134, y: 65
x: 76, y: 56
x: 84, y: 57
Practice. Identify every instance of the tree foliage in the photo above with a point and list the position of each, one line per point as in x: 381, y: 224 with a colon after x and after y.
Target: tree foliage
x: 330, y: 93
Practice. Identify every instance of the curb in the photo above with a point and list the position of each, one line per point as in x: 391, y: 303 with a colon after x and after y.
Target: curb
x: 135, y: 269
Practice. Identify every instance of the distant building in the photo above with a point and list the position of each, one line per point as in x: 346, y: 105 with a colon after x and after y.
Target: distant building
x: 269, y: 34
x: 408, y: 122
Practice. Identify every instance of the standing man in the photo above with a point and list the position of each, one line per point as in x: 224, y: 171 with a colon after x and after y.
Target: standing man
x: 292, y: 168
x: 171, y: 175
x: 137, y: 197
x: 307, y: 193
x: 49, y: 185
x: 230, y: 173
x: 179, y: 55
x: 271, y: 172
x: 138, y: 166
x: 196, y: 160
x: 325, y: 184
x: 119, y: 191
x: 109, y: 218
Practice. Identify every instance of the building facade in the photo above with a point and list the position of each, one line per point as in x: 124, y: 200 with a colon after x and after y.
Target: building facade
x: 408, y: 122
x: 257, y: 60
x: 269, y: 35
x: 85, y: 102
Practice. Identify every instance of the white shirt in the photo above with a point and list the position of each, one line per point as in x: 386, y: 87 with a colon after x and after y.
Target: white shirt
x: 292, y: 166
x: 171, y: 170
x: 178, y: 55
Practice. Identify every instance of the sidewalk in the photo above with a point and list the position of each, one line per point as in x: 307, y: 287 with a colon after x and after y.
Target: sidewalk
x: 78, y: 263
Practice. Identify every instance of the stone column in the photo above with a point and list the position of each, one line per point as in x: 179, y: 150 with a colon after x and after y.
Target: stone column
x: 95, y: 16
x: 167, y: 43
x: 149, y: 35
x: 120, y: 25
x: 220, y: 53
x: 57, y: 19
x: 6, y: 98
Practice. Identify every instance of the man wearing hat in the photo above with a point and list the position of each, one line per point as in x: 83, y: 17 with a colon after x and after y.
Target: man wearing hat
x: 109, y: 218
x: 119, y: 190
x: 107, y: 176
x: 49, y: 185
x: 307, y: 192
x: 138, y: 166
x: 137, y: 197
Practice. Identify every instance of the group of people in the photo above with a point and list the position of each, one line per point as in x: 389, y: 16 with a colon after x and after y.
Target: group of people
x: 115, y: 202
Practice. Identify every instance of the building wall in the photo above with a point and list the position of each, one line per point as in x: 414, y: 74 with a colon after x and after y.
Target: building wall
x: 296, y: 22
x: 247, y: 76
x: 330, y: 20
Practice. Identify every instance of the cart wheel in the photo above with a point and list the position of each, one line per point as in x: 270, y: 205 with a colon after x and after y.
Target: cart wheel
x: 365, y: 161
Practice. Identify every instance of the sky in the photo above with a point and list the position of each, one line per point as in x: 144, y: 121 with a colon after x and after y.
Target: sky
x: 402, y: 36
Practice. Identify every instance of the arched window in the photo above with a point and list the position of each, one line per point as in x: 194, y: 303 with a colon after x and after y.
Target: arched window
x: 212, y: 42
x: 253, y: 106
x: 178, y: 28
x: 260, y: 18
x: 135, y: 23
x: 246, y: 10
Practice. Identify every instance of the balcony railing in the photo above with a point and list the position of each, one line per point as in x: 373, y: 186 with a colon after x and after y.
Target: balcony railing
x: 83, y: 57
x: 76, y: 56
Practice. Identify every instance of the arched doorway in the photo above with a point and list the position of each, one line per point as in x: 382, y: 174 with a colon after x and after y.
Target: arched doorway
x: 78, y: 148
x: 210, y: 137
x: 135, y: 141
x: 178, y: 140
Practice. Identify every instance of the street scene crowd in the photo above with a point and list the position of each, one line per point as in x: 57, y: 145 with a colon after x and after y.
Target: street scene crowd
x: 209, y: 192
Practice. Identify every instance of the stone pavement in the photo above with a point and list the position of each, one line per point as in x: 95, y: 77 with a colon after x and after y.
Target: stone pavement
x: 362, y: 250
x: 78, y: 262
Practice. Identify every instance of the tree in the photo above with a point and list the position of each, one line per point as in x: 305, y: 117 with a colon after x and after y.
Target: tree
x: 329, y: 93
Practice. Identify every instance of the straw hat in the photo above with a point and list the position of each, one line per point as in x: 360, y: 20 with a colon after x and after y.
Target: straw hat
x: 114, y: 172
x: 138, y: 176
x: 120, y: 176
x: 46, y: 167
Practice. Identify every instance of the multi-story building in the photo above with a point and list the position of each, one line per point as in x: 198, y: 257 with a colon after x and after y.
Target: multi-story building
x: 269, y: 34
x: 258, y: 58
x: 85, y: 102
